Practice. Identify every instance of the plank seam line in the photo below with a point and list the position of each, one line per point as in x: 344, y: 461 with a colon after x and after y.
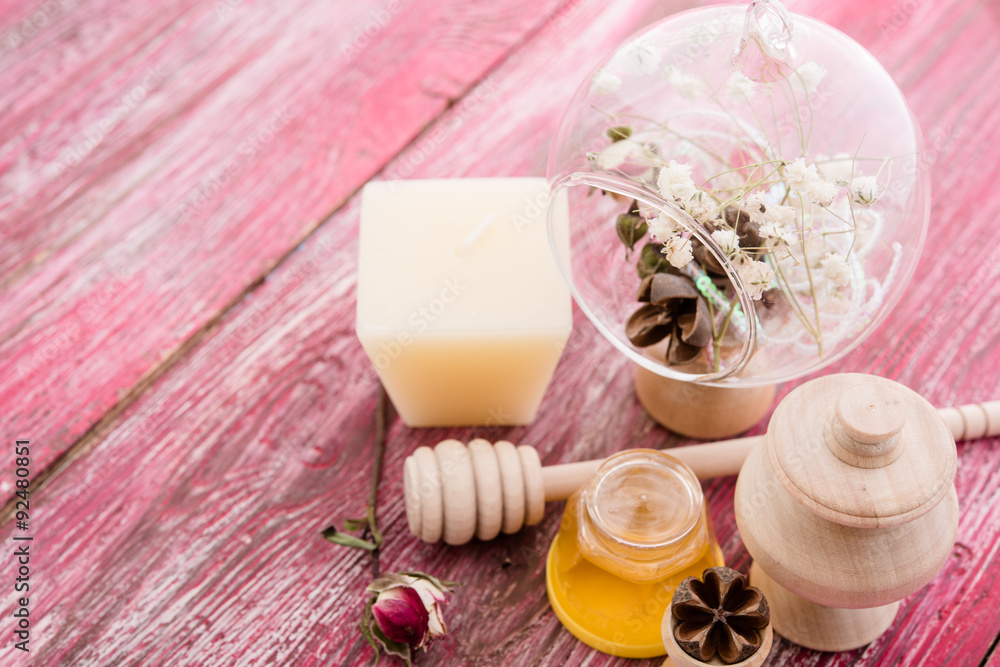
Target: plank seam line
x: 89, y: 438
x: 990, y: 652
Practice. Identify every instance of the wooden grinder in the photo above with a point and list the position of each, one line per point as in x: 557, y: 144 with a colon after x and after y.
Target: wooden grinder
x: 847, y: 506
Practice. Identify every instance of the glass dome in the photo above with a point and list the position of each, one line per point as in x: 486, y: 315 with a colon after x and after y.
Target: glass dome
x: 745, y: 194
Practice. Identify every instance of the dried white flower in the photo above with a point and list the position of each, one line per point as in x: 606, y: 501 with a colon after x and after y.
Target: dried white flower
x: 756, y: 277
x: 687, y: 86
x: 836, y: 270
x: 643, y: 58
x: 799, y: 175
x: 777, y: 234
x: 811, y: 74
x: 865, y: 189
x: 677, y: 250
x: 663, y: 227
x: 674, y: 181
x: 604, y: 83
x: 739, y: 85
x: 837, y: 169
x: 616, y: 154
x: 703, y: 207
x: 728, y: 240
x: 753, y: 204
x: 821, y: 193
x: 782, y: 215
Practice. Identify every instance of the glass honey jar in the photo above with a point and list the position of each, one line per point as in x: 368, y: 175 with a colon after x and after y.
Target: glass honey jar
x: 627, y: 539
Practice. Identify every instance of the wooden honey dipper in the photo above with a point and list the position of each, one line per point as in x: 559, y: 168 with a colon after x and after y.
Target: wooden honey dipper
x: 457, y: 492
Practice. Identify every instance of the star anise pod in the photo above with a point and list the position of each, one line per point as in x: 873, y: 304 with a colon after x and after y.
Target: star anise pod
x: 674, y: 307
x: 720, y: 614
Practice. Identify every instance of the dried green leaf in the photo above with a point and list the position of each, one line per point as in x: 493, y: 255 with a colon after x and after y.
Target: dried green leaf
x: 445, y: 586
x: 373, y: 525
x: 366, y: 624
x: 651, y: 261
x: 619, y: 133
x: 343, y: 539
x: 398, y: 649
x: 355, y: 524
x: 630, y: 228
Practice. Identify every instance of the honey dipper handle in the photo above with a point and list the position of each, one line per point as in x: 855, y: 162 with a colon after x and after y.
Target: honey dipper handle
x: 560, y: 481
x: 716, y: 459
x: 707, y: 460
x: 725, y: 457
x: 975, y: 420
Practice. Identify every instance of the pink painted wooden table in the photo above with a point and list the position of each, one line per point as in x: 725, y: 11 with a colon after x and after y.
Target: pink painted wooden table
x: 178, y: 244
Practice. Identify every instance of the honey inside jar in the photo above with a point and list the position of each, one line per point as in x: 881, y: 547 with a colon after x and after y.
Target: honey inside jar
x: 635, y: 531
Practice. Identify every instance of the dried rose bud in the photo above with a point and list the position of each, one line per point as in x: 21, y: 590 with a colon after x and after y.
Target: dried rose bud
x: 402, y: 616
x: 407, y: 609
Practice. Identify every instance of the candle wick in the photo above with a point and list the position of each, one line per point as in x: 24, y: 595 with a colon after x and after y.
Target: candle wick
x: 476, y: 234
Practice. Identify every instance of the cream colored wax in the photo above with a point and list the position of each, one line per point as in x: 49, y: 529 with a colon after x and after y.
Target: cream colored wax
x: 461, y: 307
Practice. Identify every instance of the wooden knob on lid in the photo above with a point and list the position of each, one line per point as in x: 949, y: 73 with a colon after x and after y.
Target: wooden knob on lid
x: 866, y: 425
x: 861, y: 451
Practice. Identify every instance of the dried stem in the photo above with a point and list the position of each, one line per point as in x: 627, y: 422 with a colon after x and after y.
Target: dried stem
x: 380, y: 428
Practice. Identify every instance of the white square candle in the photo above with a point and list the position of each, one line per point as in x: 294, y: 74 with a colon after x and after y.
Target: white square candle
x: 461, y: 307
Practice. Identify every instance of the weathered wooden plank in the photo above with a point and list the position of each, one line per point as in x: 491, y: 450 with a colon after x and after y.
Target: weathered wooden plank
x: 191, y: 530
x: 325, y: 451
x: 254, y: 125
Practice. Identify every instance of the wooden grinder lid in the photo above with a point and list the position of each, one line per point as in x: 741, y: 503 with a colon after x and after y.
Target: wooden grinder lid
x: 862, y: 451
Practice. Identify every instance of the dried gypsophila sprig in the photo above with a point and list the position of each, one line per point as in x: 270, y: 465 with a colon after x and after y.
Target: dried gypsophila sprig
x: 780, y: 231
x: 754, y: 233
x: 810, y: 213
